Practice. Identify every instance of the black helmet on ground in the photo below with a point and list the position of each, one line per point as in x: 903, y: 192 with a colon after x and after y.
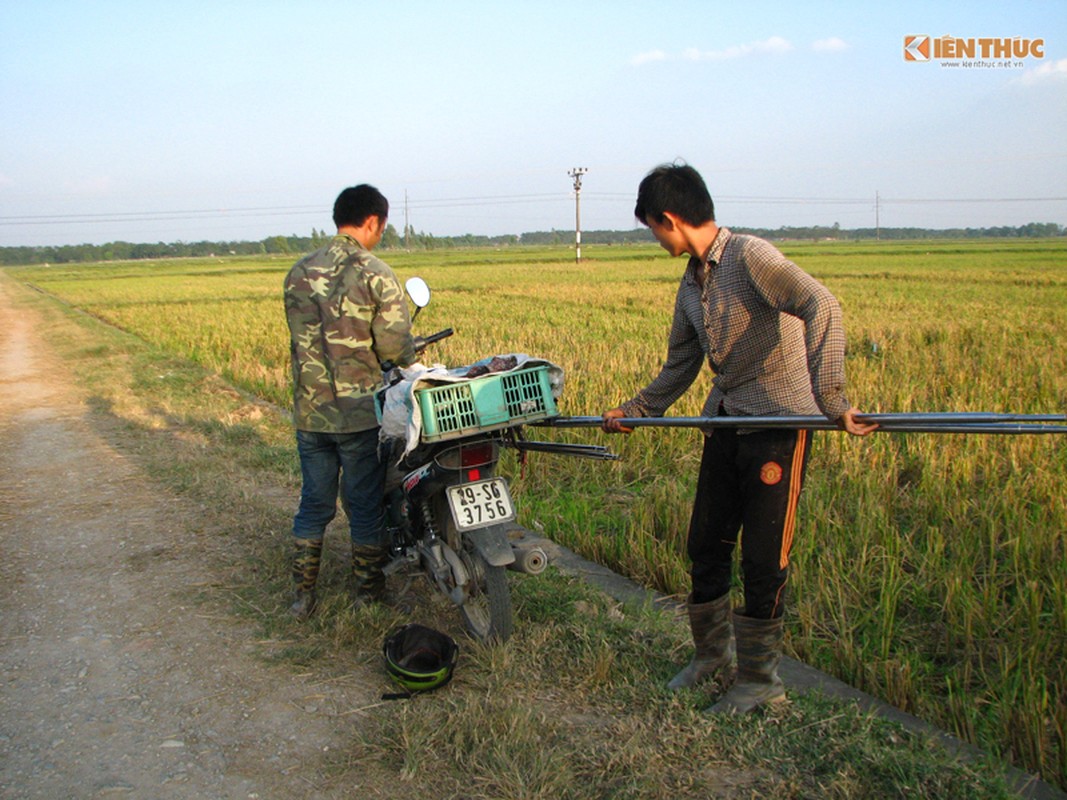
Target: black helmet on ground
x: 419, y: 658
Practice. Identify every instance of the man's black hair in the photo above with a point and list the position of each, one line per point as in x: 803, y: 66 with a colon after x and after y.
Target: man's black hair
x: 356, y: 203
x: 677, y: 188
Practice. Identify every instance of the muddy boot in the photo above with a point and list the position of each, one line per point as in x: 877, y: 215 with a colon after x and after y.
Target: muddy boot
x: 368, y: 580
x: 759, y: 650
x: 713, y: 637
x: 307, y: 556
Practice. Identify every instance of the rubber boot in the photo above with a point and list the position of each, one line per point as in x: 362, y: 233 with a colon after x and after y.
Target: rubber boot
x: 307, y: 556
x: 759, y: 651
x: 368, y: 580
x: 713, y: 637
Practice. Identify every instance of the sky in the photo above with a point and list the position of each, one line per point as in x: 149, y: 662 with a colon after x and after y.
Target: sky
x: 154, y: 121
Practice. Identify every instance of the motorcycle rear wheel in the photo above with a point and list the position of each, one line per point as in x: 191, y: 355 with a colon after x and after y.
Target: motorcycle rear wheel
x: 487, y: 610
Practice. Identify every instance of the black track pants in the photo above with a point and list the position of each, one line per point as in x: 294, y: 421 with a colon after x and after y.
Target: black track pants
x: 748, y: 483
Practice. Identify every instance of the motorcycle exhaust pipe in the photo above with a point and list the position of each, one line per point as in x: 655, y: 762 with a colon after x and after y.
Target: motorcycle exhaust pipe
x: 530, y: 560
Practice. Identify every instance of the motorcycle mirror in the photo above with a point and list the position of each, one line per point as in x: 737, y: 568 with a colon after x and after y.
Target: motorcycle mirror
x: 418, y: 291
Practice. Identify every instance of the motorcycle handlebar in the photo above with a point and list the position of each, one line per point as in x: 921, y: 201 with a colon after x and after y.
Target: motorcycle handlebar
x: 422, y: 341
x: 420, y: 345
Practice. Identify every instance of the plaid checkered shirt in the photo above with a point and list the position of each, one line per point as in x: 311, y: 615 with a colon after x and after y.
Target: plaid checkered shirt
x: 770, y: 332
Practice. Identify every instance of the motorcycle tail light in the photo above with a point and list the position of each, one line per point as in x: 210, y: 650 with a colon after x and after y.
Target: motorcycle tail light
x: 468, y: 456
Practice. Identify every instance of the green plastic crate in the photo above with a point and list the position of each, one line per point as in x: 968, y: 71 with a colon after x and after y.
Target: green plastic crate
x: 487, y: 403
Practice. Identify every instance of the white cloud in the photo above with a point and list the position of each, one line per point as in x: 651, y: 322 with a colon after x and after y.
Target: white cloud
x: 1049, y: 71
x: 775, y: 45
x: 831, y: 45
x: 648, y: 58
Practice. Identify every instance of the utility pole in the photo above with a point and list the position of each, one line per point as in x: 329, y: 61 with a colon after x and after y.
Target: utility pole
x: 577, y: 173
x: 406, y: 245
x: 877, y: 217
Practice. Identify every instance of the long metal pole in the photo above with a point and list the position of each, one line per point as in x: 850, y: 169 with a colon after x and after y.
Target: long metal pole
x: 940, y: 422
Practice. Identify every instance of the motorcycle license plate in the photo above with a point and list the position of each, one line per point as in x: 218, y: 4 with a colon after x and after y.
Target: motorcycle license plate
x: 479, y: 504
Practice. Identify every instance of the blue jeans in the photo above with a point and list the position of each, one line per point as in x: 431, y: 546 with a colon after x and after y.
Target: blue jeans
x: 351, y: 461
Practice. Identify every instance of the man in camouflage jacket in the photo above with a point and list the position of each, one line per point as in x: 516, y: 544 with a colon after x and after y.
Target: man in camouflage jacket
x: 347, y: 315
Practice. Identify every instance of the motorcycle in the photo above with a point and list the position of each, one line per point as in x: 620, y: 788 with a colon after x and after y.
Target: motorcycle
x: 448, y: 512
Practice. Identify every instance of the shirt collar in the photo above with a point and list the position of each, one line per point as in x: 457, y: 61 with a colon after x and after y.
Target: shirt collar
x: 712, y: 257
x: 718, y: 244
x: 348, y: 241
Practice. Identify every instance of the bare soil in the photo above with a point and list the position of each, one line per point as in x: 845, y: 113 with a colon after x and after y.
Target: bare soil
x: 118, y: 679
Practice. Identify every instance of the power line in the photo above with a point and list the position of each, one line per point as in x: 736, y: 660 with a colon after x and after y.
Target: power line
x: 264, y: 211
x: 848, y: 200
x: 475, y: 201
x: 976, y: 200
x: 158, y: 216
x: 488, y: 200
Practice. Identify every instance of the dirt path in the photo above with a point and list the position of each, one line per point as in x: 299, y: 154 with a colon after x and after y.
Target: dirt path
x: 115, y: 682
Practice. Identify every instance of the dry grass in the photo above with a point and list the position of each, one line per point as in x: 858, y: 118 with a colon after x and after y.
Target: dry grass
x: 930, y: 571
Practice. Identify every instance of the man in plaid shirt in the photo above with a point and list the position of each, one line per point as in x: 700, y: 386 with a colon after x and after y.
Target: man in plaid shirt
x: 773, y: 336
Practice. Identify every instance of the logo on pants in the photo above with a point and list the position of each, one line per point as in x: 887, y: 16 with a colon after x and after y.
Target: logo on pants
x: 770, y: 473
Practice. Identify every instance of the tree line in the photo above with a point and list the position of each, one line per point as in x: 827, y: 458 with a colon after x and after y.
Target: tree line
x: 412, y: 240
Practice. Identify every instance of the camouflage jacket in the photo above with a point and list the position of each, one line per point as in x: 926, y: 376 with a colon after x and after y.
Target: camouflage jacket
x: 347, y: 314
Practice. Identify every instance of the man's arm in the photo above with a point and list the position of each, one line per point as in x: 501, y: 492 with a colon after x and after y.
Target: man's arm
x: 685, y: 358
x: 391, y: 326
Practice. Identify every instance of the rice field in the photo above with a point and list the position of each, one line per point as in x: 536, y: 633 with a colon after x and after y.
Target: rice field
x: 929, y: 569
